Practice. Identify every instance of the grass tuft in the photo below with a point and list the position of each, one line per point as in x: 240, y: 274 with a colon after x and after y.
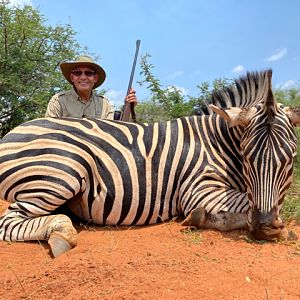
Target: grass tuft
x: 291, y: 205
x: 191, y: 235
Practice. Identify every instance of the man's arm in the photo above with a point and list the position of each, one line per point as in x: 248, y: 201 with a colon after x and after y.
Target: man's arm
x: 54, y: 108
x: 108, y: 110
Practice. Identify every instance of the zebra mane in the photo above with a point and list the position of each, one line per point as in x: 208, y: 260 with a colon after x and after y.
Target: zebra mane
x: 247, y: 91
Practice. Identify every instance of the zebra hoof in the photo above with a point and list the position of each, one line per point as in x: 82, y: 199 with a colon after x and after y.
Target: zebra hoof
x: 58, y: 244
x: 196, y: 218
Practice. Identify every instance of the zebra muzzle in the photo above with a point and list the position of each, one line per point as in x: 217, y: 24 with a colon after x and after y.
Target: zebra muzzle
x: 267, y: 226
x: 269, y: 233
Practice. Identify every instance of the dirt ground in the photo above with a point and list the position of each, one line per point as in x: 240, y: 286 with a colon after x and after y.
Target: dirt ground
x: 165, y: 261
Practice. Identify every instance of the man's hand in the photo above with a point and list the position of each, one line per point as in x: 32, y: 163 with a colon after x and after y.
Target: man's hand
x: 131, y: 97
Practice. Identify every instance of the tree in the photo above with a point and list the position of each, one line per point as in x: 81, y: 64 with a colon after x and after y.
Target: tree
x: 170, y: 102
x: 30, y: 53
x: 289, y: 97
x: 204, y: 98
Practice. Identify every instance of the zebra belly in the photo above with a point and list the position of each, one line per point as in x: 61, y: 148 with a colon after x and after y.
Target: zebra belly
x: 106, y: 211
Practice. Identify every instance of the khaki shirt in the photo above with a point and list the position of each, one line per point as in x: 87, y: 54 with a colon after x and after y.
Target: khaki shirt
x: 69, y: 104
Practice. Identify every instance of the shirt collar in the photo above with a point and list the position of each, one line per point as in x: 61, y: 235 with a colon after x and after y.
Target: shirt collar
x: 76, y: 96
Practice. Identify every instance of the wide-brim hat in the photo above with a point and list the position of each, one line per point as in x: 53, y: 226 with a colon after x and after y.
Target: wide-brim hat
x: 83, y: 60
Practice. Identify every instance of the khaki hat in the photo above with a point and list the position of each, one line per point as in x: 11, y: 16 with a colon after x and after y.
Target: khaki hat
x: 83, y: 60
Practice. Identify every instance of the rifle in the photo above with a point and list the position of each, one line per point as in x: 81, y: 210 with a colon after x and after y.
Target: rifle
x: 129, y: 107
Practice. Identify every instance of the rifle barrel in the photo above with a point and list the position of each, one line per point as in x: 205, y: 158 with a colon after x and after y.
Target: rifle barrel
x: 130, y: 108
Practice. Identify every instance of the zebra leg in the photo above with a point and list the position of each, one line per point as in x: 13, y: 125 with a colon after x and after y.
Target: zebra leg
x: 223, y: 221
x: 20, y: 225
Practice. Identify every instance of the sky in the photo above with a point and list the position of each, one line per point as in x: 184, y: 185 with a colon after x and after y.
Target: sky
x: 190, y: 41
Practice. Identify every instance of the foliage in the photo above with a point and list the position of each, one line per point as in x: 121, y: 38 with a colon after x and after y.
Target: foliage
x: 205, y: 93
x: 169, y: 102
x: 30, y: 53
x: 291, y: 204
x: 289, y: 97
x: 150, y: 111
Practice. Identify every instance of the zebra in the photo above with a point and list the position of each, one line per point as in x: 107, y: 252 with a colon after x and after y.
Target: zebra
x: 225, y: 170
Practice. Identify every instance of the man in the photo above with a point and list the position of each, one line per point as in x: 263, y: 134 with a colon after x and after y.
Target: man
x: 82, y: 101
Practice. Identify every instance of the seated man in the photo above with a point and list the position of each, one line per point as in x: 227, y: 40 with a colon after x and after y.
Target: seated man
x: 82, y: 101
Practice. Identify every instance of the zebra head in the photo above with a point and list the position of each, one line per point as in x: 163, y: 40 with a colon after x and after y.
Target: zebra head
x: 268, y: 146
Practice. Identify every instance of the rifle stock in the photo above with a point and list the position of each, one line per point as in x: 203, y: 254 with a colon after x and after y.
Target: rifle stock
x: 127, y: 111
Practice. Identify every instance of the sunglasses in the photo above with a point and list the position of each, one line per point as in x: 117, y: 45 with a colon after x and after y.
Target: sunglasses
x: 86, y: 73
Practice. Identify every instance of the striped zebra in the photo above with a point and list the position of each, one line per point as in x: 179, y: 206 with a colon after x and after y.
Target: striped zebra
x: 225, y: 170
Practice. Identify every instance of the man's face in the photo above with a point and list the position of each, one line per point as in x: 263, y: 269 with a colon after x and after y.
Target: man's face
x: 83, y: 79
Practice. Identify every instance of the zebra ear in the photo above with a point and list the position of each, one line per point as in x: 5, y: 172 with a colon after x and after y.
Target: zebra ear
x: 293, y: 114
x: 235, y: 116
